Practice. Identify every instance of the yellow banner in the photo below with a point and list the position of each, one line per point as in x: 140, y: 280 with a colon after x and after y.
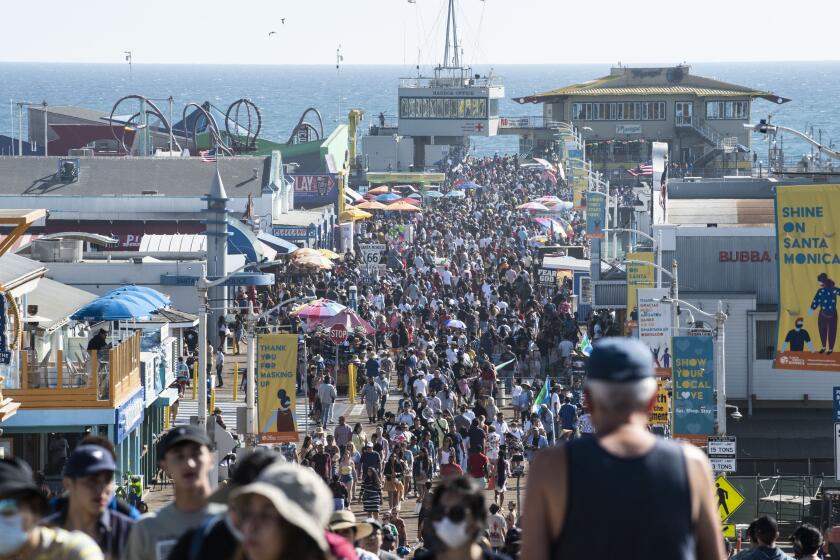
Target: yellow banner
x: 638, y: 276
x: 580, y: 185
x: 807, y: 218
x: 661, y: 413
x: 277, y: 357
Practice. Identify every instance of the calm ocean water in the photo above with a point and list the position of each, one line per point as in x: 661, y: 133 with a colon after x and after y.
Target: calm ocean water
x: 284, y: 92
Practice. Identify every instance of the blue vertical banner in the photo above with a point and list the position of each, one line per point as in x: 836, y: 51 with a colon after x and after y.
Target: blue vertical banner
x: 836, y: 398
x: 596, y: 214
x: 694, y: 387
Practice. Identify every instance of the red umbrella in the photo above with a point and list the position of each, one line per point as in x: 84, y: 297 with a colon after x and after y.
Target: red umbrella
x: 409, y: 200
x: 350, y: 319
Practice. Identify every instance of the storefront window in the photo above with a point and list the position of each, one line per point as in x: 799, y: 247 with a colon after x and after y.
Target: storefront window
x: 765, y: 340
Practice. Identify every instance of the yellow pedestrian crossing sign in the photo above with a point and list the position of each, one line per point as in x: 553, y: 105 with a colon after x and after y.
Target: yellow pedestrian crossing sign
x: 729, y: 499
x: 730, y: 531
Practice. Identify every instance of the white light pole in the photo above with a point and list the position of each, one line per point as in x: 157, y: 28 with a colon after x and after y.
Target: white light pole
x: 657, y: 248
x: 675, y: 286
x: 203, y: 286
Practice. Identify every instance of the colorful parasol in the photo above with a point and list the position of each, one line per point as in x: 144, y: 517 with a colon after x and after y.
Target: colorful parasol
x: 329, y: 254
x: 533, y: 207
x: 349, y: 319
x: 371, y: 205
x: 402, y: 207
x: 313, y: 261
x: 319, y: 309
x: 353, y: 214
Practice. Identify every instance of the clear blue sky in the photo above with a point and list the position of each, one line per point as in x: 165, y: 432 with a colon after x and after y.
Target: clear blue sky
x: 397, y: 32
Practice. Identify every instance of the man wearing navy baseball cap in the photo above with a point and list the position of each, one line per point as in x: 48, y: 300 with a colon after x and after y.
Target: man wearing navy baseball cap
x: 655, y: 497
x: 89, y: 486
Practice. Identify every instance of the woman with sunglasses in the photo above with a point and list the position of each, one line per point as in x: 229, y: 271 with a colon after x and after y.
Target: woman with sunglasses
x: 456, y: 522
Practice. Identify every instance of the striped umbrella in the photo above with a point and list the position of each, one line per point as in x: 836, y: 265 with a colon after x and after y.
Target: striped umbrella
x: 349, y: 319
x: 533, y: 207
x: 319, y: 309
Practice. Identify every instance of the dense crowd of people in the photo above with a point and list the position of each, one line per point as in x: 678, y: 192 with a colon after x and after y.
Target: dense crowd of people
x: 482, y: 361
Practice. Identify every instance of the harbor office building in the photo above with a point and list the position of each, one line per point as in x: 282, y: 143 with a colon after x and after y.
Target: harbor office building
x: 620, y: 114
x: 724, y: 242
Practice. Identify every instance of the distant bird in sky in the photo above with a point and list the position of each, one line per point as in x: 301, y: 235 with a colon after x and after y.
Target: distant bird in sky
x: 282, y: 22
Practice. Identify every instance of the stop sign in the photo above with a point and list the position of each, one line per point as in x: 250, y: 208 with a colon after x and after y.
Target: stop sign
x: 338, y: 334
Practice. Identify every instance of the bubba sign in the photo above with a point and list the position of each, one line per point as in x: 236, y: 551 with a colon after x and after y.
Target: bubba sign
x: 744, y: 256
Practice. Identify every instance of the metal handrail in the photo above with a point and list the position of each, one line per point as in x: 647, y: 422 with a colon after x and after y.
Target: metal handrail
x: 466, y: 82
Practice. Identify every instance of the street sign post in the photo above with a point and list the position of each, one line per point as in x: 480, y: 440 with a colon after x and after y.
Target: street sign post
x: 338, y: 334
x: 837, y: 450
x: 722, y: 453
x: 729, y: 499
x: 373, y: 256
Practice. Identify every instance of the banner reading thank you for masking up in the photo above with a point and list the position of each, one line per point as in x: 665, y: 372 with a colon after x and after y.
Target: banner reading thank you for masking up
x: 807, y: 223
x: 277, y: 357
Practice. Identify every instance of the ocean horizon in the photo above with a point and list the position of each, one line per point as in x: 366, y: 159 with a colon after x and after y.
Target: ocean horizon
x: 283, y: 92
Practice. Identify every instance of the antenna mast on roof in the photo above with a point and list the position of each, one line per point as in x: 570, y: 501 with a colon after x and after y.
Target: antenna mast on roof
x: 451, y: 24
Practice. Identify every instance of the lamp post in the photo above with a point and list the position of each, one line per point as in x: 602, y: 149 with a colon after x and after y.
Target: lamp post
x: 203, y: 286
x: 675, y: 286
x: 657, y: 248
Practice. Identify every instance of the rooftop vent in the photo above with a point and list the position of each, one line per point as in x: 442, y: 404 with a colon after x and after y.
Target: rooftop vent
x: 68, y: 169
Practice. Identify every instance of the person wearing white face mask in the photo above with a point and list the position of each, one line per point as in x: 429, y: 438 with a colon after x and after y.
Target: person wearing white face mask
x: 21, y: 506
x: 456, y: 522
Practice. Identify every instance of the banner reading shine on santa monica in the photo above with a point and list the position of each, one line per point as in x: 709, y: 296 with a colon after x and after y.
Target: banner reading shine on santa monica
x: 807, y: 223
x: 276, y: 368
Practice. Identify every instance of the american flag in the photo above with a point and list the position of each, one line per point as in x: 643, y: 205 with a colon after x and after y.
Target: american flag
x: 208, y: 155
x: 644, y: 169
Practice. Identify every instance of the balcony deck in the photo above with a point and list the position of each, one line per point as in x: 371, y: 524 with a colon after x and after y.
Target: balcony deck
x: 104, y: 380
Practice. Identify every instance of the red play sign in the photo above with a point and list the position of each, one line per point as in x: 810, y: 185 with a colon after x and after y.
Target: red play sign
x: 338, y: 334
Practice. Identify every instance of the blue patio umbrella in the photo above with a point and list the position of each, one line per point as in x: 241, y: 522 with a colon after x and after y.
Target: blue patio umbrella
x: 433, y: 194
x: 455, y: 194
x: 470, y: 185
x: 153, y: 296
x: 387, y: 197
x: 118, y: 307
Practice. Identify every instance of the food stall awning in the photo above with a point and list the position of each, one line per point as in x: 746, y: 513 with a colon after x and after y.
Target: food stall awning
x: 56, y: 302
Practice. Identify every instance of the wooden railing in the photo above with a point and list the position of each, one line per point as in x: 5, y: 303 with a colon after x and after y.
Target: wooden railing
x: 96, y: 383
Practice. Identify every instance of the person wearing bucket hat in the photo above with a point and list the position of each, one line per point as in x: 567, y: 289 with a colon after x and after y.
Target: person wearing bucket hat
x: 216, y: 537
x: 670, y: 510
x: 89, y: 487
x: 21, y: 505
x: 373, y: 542
x: 282, y: 514
x: 343, y: 523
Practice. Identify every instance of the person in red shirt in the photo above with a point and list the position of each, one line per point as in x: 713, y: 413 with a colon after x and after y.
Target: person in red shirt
x: 478, y: 465
x: 451, y: 468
